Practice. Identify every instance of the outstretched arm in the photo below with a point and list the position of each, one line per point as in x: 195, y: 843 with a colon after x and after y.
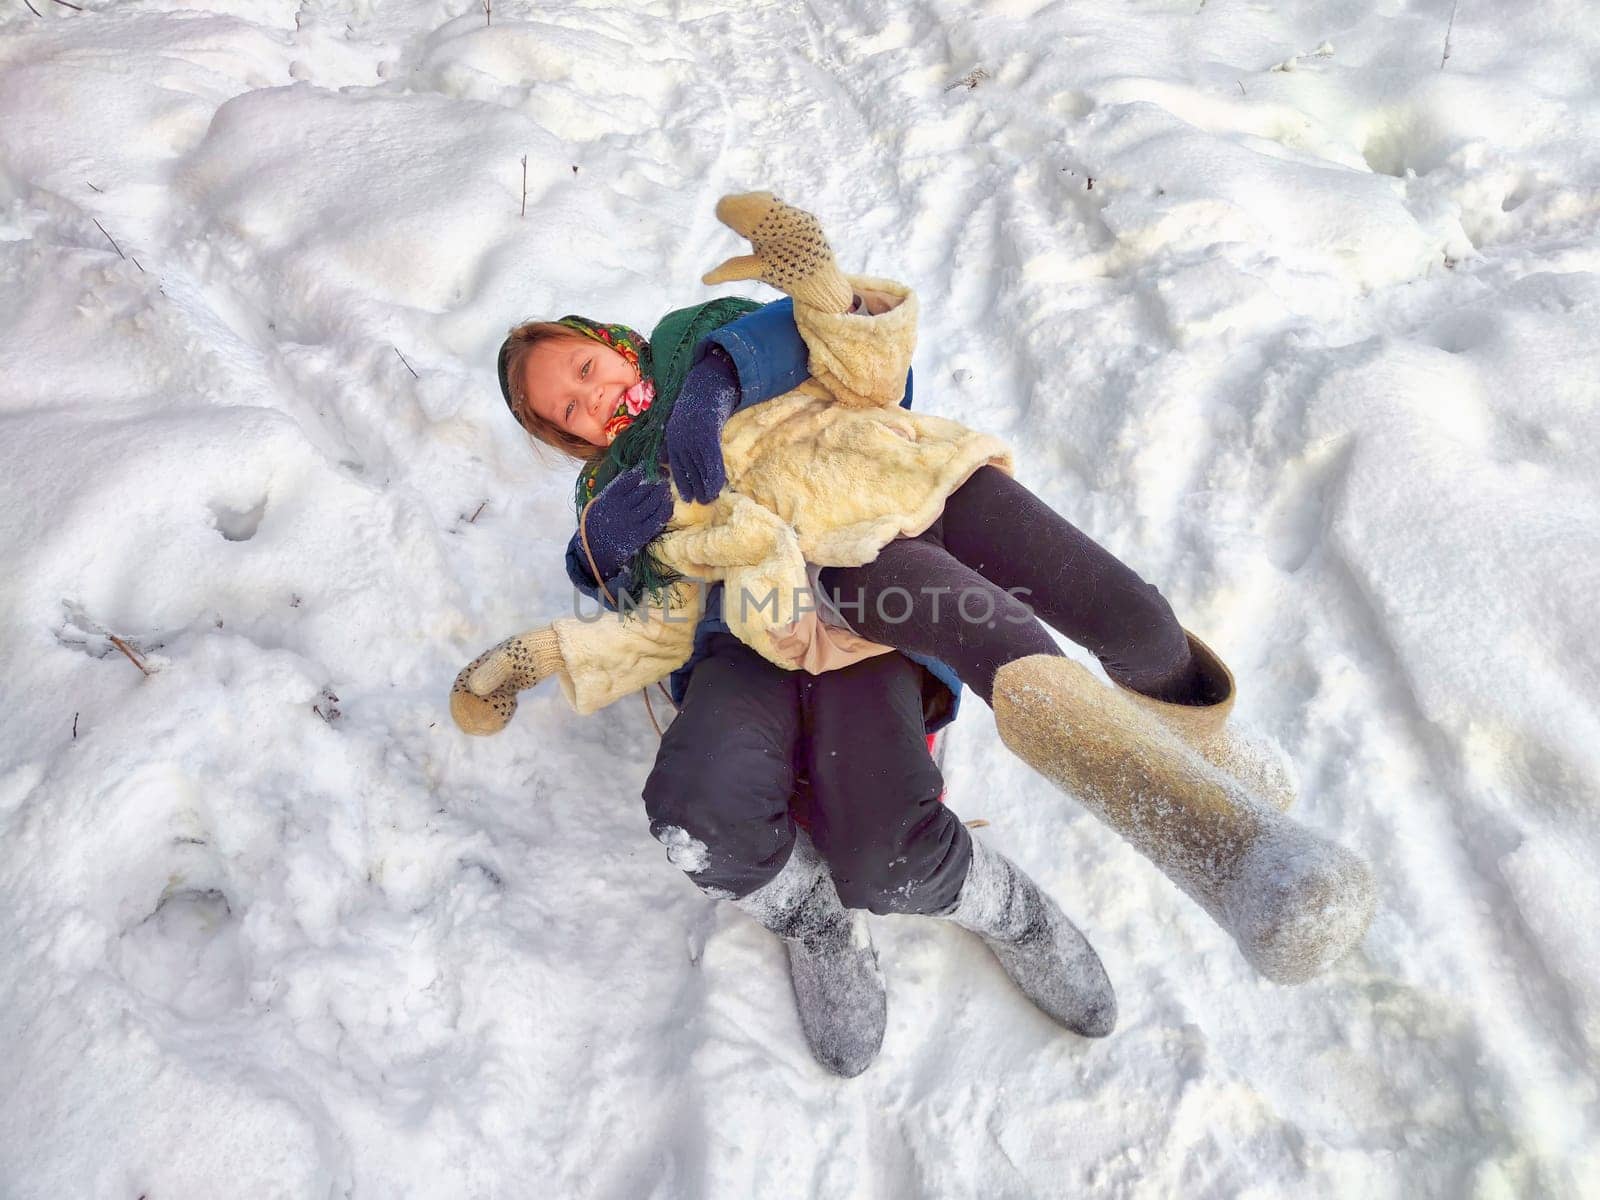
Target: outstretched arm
x: 596, y: 662
x: 769, y: 355
x: 827, y: 328
x: 862, y: 359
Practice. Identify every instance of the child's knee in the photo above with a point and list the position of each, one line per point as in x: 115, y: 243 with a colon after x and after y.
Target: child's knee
x: 729, y: 831
x: 923, y: 875
x: 726, y: 862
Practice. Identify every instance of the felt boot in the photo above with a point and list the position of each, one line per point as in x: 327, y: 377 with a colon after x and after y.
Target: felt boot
x: 1043, y: 952
x: 1259, y: 765
x: 838, y: 987
x: 1293, y: 901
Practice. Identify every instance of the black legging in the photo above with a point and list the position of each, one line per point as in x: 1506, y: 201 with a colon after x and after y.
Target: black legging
x: 948, y: 593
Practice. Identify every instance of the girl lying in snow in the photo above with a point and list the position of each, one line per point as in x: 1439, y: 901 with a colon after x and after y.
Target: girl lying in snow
x: 912, y: 525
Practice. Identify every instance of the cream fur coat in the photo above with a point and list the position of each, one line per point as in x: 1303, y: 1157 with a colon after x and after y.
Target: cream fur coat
x: 827, y: 474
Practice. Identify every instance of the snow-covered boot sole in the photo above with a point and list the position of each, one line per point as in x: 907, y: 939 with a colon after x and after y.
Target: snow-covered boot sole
x: 1293, y: 901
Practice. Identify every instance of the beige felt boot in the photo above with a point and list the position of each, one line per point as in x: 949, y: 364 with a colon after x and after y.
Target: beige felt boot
x: 1293, y: 901
x: 1258, y: 765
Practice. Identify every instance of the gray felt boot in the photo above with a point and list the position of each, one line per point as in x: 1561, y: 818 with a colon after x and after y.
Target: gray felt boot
x: 1043, y: 952
x: 838, y: 987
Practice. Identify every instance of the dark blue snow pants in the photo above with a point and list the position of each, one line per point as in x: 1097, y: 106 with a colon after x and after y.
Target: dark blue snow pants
x: 751, y: 739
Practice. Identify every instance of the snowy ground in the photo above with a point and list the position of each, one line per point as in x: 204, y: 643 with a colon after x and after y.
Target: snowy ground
x: 1318, y: 352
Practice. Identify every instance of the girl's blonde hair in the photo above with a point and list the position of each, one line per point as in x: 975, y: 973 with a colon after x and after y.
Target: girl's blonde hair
x: 519, y: 344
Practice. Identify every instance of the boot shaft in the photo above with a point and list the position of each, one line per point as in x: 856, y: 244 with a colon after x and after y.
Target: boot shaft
x: 1294, y: 902
x: 833, y: 966
x: 1043, y: 952
x: 997, y: 900
x: 800, y: 903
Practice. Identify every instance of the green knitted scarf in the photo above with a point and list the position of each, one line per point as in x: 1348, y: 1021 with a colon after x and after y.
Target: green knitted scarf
x: 665, y: 359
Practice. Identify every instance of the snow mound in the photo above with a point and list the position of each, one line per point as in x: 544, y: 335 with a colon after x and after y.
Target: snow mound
x: 1287, y: 309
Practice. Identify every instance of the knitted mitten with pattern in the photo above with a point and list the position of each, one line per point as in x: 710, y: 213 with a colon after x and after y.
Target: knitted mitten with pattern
x: 484, y: 695
x: 790, y: 252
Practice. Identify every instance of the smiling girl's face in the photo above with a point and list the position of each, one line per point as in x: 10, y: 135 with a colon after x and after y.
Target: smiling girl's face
x: 576, y: 384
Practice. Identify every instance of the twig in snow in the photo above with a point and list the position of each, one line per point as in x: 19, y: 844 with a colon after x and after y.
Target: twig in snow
x: 92, y: 187
x: 524, y: 211
x: 67, y: 4
x: 32, y: 9
x: 1448, y: 30
x: 117, y: 248
x: 128, y: 650
x: 110, y: 239
x: 970, y: 80
x: 1240, y: 82
x: 976, y: 823
x: 414, y: 375
x: 474, y: 517
x: 488, y: 15
x: 74, y: 726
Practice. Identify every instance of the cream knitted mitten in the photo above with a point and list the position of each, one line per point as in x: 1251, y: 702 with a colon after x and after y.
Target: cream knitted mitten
x: 484, y: 695
x: 790, y: 252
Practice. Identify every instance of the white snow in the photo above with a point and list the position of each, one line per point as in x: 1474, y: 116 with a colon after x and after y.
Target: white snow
x: 1318, y: 353
x: 684, y: 850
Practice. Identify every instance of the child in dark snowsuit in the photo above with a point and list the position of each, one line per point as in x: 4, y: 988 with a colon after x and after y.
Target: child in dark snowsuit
x: 718, y: 777
x: 885, y: 504
x: 752, y: 742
